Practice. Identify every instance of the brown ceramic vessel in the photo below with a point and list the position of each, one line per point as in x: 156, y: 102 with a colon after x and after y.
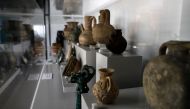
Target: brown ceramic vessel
x: 85, y: 37
x: 103, y: 31
x: 166, y: 77
x: 105, y: 90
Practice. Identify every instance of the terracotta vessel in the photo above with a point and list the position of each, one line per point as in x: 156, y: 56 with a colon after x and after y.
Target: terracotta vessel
x: 69, y: 29
x: 105, y: 90
x: 55, y: 48
x: 38, y: 48
x: 103, y: 31
x: 117, y: 44
x: 85, y: 37
x: 166, y: 77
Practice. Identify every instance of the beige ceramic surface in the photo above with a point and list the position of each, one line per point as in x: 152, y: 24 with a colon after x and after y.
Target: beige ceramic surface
x: 105, y: 90
x: 165, y: 78
x: 103, y: 31
x: 85, y: 37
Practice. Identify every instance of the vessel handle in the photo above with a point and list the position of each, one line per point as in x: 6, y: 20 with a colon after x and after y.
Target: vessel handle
x: 109, y: 84
x: 82, y: 27
x: 93, y: 21
x: 163, y: 48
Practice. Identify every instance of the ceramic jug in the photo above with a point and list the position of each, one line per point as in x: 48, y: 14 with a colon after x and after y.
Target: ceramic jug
x: 85, y: 37
x: 117, y: 44
x: 12, y: 60
x: 69, y: 29
x: 166, y: 77
x: 105, y: 90
x: 102, y: 32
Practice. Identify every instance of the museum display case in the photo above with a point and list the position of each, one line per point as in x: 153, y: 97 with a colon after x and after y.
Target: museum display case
x: 85, y: 54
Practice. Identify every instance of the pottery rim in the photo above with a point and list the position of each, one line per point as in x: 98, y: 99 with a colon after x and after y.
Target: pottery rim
x: 106, y: 71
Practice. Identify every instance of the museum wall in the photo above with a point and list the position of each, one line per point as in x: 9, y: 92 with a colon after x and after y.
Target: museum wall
x: 146, y: 24
x: 185, y: 21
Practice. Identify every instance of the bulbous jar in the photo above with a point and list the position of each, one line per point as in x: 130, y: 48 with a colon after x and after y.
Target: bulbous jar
x: 117, y: 44
x: 105, y: 90
x: 103, y: 31
x: 166, y: 77
x: 70, y: 29
x: 85, y: 37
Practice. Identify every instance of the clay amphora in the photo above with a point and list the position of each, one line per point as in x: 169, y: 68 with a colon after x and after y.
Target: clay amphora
x: 166, y: 77
x: 105, y: 90
x: 103, y: 31
x: 117, y: 44
x: 85, y: 37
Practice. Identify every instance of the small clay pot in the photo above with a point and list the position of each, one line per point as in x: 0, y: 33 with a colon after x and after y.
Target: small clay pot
x: 105, y: 90
x: 117, y: 43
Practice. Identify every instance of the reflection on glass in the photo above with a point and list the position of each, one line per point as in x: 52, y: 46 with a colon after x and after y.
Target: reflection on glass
x: 72, y: 7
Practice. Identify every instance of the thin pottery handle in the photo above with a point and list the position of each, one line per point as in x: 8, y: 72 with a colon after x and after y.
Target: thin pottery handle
x: 93, y: 21
x: 109, y: 83
x: 82, y: 27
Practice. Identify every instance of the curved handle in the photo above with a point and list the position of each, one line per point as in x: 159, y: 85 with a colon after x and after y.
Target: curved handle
x: 93, y: 19
x: 82, y: 27
x: 181, y: 45
x: 163, y: 48
x: 109, y: 83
